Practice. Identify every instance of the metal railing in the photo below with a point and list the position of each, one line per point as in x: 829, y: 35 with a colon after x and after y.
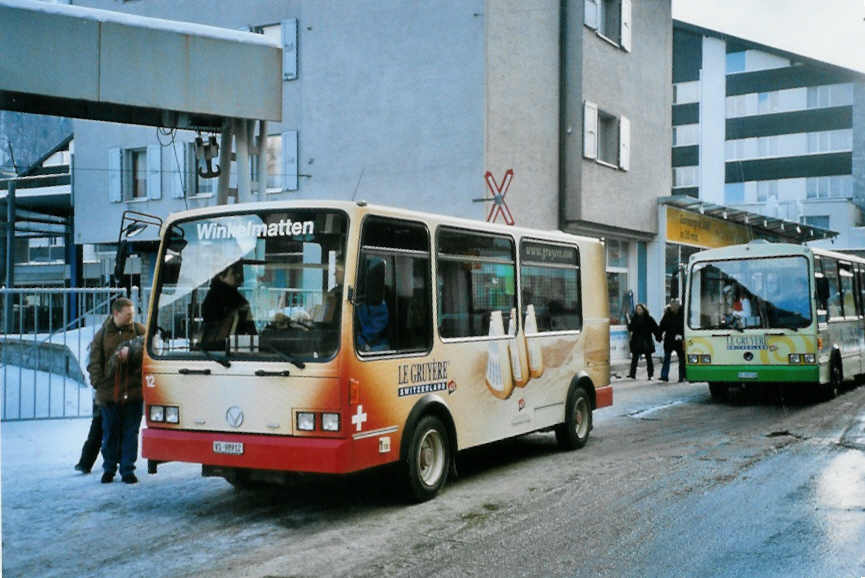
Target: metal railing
x: 44, y: 349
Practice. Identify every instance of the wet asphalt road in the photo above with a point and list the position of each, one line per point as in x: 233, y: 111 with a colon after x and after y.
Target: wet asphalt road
x: 670, y: 483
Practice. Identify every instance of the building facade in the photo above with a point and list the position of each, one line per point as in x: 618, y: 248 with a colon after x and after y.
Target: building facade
x: 413, y: 105
x: 761, y: 130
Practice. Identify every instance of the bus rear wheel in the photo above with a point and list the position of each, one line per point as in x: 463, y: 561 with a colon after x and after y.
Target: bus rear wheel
x: 574, y: 433
x: 428, y: 459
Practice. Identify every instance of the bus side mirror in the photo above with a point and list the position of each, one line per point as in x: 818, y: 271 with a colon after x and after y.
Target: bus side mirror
x: 822, y: 289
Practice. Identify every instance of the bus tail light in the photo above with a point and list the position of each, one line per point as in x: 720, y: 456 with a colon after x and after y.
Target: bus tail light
x: 794, y: 358
x: 330, y: 421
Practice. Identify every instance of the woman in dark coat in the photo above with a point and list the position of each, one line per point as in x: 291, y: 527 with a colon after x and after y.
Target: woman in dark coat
x: 642, y: 329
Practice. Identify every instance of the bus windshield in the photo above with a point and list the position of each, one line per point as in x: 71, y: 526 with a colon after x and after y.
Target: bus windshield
x: 265, y: 284
x: 750, y: 293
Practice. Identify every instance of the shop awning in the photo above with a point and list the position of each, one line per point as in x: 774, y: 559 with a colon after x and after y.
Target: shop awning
x: 764, y: 227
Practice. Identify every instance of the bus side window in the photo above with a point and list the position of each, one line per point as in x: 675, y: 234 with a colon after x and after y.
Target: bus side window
x: 476, y: 276
x: 821, y: 287
x: 845, y: 278
x: 861, y: 290
x: 830, y: 271
x: 550, y: 283
x: 393, y: 312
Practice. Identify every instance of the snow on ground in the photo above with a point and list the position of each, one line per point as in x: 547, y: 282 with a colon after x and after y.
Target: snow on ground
x: 58, y: 522
x: 28, y: 393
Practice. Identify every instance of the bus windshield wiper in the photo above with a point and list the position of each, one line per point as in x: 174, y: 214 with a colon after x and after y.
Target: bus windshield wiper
x: 221, y: 361
x: 284, y: 356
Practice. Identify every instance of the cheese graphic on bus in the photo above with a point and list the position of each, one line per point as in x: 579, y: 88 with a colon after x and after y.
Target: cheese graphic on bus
x: 498, y: 377
x: 517, y: 352
x: 536, y: 358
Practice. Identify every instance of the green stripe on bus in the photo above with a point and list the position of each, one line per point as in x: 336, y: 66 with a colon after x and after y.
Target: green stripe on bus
x: 756, y: 373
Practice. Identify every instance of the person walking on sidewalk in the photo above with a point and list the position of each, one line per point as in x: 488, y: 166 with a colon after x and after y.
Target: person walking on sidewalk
x: 672, y: 331
x: 115, y: 373
x: 642, y: 328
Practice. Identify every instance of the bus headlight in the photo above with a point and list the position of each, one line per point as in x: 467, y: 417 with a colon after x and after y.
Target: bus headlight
x: 305, y: 420
x: 809, y: 358
x: 164, y: 413
x: 330, y: 421
x: 795, y: 358
x: 157, y: 413
x: 693, y: 359
x: 705, y: 358
x: 172, y: 414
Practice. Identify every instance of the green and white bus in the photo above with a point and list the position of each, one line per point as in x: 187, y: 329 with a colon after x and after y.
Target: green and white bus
x: 775, y: 313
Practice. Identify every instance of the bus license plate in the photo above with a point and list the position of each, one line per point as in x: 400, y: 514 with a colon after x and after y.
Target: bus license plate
x: 748, y: 375
x: 233, y: 448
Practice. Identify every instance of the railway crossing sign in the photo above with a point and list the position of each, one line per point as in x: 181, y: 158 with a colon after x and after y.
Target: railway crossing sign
x: 497, y: 198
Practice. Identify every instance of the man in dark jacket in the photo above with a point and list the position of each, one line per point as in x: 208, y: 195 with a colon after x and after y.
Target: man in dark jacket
x: 225, y: 311
x: 672, y: 331
x: 115, y: 373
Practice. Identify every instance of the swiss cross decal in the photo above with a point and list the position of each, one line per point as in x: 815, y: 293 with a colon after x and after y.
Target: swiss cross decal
x: 497, y: 197
x: 359, y: 418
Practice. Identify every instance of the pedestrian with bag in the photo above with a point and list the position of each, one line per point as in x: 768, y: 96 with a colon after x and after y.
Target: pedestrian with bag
x: 642, y: 328
x: 115, y: 373
x: 672, y: 331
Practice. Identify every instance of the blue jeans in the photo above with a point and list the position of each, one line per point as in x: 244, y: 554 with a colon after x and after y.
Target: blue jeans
x: 668, y: 355
x: 120, y: 423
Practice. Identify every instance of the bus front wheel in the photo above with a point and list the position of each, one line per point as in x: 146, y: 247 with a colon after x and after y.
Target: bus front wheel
x: 718, y: 391
x: 836, y: 377
x: 429, y: 458
x: 574, y: 433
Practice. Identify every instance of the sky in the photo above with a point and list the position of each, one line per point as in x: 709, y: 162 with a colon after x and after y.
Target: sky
x: 830, y: 30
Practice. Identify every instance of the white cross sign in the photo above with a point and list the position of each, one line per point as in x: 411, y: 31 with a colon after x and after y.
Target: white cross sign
x: 359, y: 418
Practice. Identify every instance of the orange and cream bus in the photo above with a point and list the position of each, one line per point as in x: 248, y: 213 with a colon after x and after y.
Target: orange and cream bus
x: 332, y: 337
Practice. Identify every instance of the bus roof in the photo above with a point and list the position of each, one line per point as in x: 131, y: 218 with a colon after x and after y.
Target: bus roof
x: 761, y: 248
x: 361, y: 208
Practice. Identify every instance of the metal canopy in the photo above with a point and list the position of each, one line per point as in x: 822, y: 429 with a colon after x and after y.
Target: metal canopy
x: 761, y: 225
x: 97, y: 64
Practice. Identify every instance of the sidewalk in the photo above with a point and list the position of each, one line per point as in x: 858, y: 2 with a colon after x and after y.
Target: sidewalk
x: 619, y: 368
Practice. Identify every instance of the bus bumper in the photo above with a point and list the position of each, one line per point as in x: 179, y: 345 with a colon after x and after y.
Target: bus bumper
x: 754, y: 373
x: 604, y: 397
x: 260, y: 452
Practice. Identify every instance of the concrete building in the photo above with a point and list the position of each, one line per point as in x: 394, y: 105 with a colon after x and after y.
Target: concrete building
x: 412, y: 104
x: 766, y: 131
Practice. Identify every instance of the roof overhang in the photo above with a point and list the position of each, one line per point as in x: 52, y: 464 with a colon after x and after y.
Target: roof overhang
x: 761, y: 225
x: 97, y: 64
